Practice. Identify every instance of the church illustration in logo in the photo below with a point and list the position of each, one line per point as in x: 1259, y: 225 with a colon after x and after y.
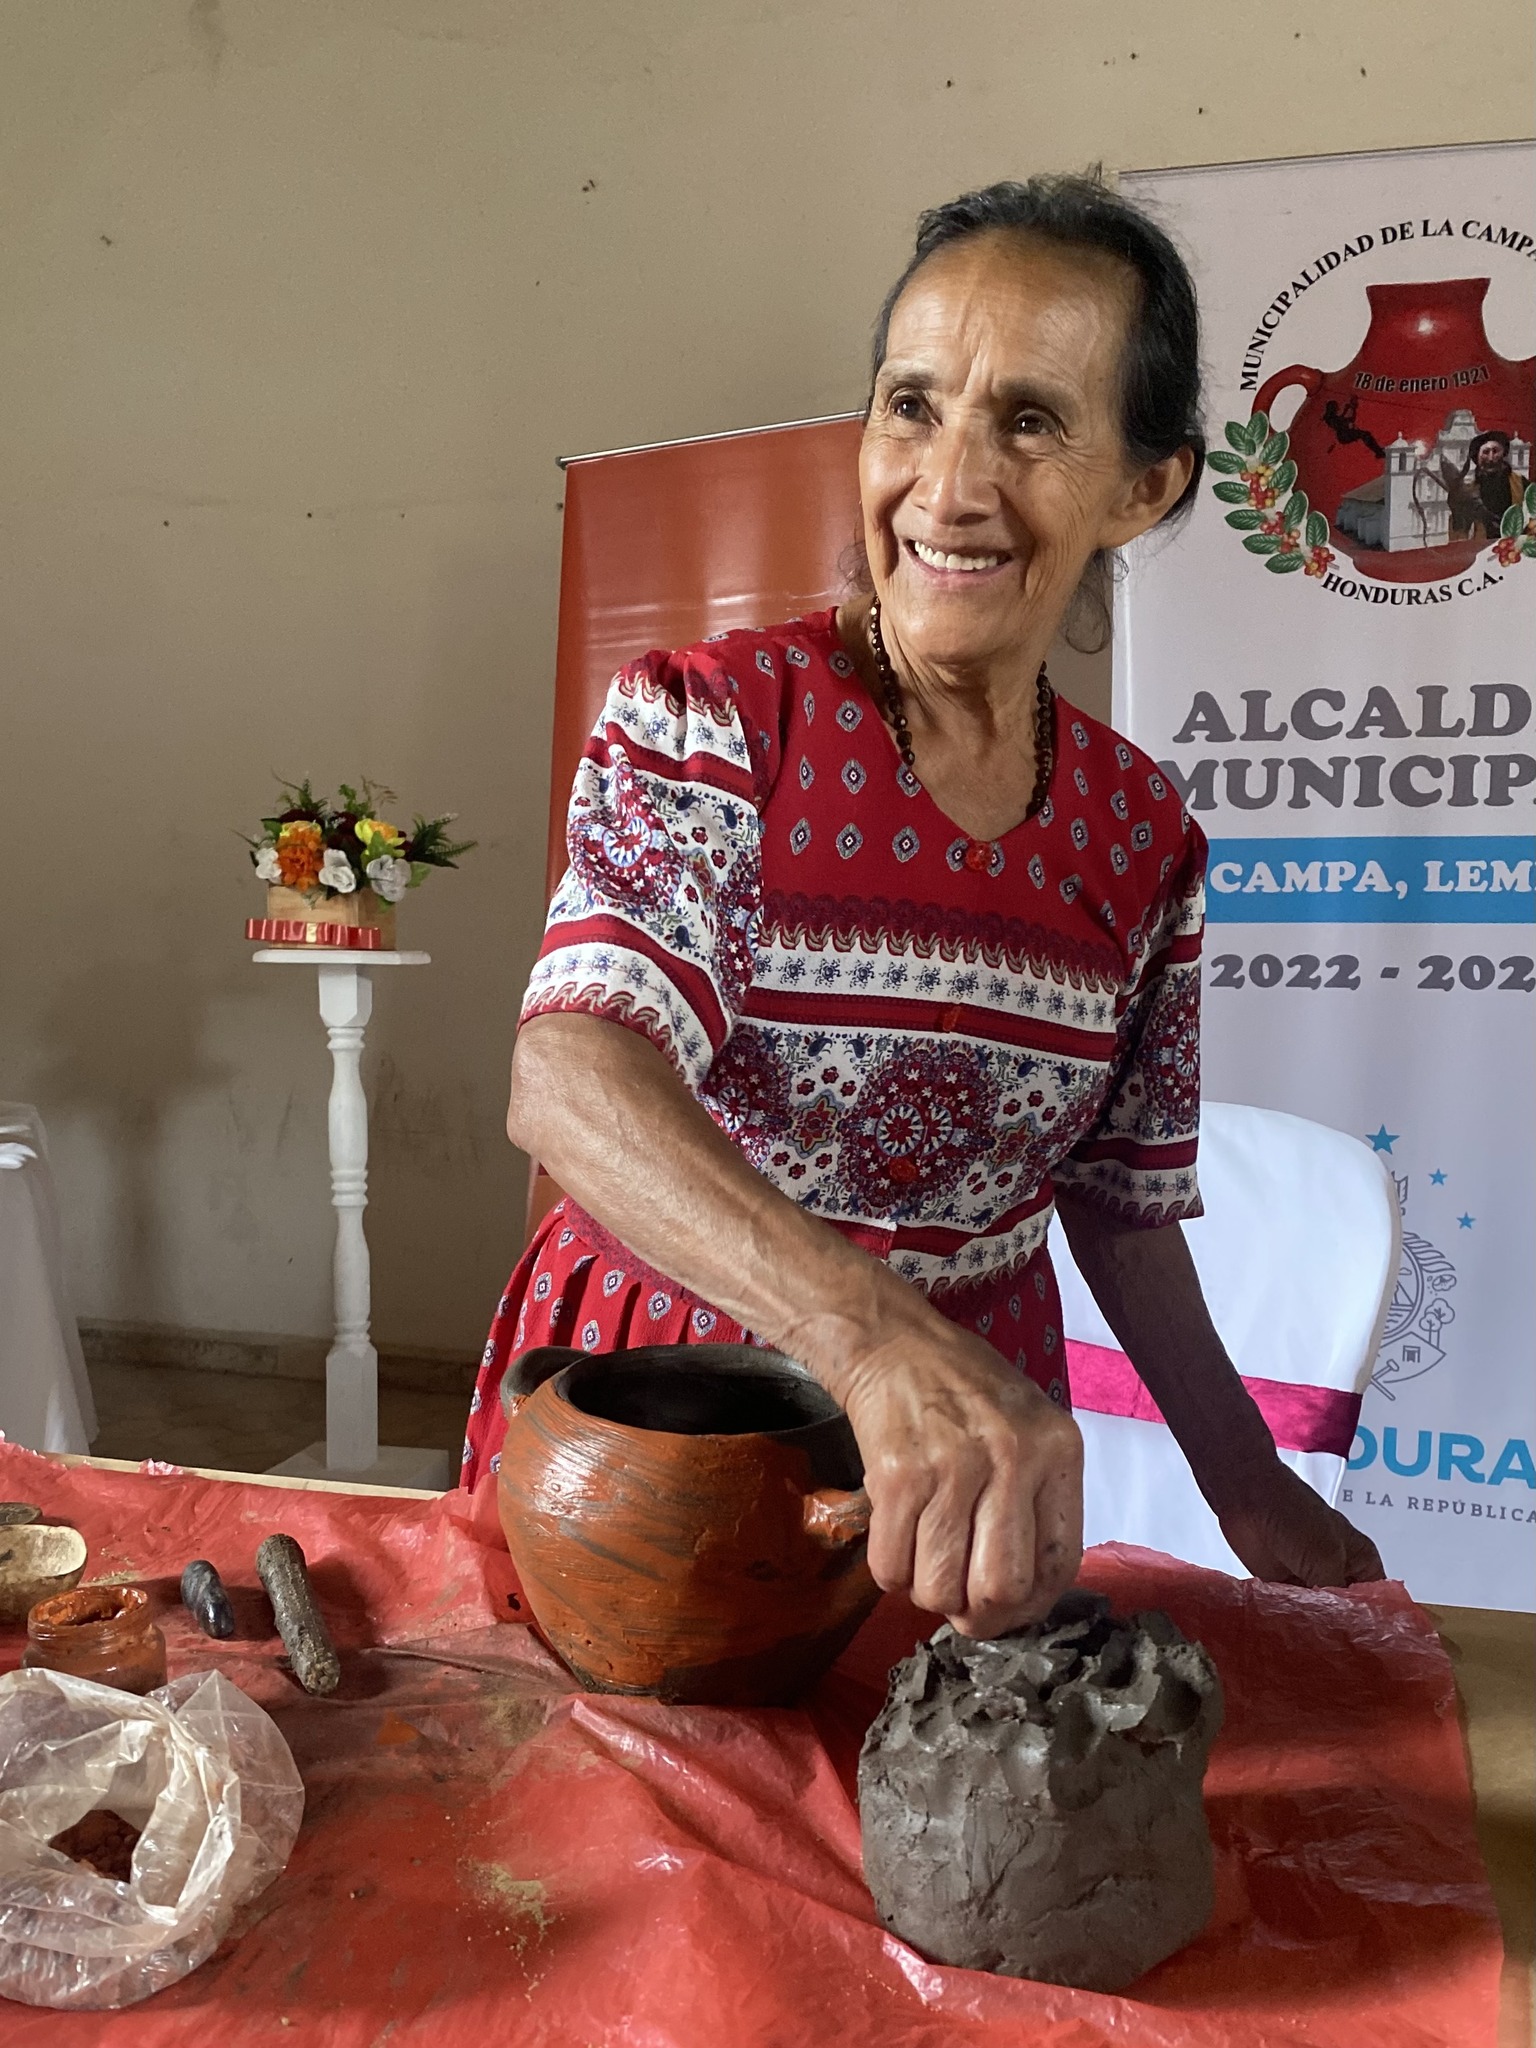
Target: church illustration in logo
x: 1458, y: 489
x: 1420, y: 1313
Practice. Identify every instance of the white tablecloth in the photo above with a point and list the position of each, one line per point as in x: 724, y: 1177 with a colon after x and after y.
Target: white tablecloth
x: 45, y: 1396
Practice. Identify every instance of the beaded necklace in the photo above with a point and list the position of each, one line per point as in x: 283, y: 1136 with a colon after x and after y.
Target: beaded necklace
x: 1044, y: 725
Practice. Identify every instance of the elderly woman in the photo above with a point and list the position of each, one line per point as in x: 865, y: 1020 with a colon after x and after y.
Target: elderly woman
x: 872, y: 952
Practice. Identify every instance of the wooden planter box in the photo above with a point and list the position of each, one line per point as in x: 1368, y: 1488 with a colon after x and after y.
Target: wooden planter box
x: 362, y: 920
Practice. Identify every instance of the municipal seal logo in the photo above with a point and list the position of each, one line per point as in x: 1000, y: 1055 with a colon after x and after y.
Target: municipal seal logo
x: 1419, y: 1314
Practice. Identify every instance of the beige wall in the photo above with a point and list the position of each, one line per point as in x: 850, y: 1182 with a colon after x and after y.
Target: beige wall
x: 299, y: 302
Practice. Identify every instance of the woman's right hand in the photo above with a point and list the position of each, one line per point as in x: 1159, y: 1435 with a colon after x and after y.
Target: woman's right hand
x: 975, y: 1478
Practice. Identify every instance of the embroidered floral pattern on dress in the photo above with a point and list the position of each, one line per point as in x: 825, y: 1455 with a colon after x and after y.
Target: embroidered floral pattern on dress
x: 921, y: 1118
x: 1167, y: 1080
x: 623, y: 850
x: 747, y: 1093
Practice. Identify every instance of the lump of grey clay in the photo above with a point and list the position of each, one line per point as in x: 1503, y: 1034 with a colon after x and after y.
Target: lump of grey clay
x: 1031, y: 1805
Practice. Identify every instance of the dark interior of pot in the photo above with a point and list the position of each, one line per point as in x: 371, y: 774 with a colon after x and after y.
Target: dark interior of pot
x: 689, y: 1394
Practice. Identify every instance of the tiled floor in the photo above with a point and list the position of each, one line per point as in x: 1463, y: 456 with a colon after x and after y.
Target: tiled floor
x: 238, y: 1423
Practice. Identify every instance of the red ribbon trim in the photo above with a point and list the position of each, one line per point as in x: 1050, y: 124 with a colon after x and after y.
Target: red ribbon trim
x: 297, y: 931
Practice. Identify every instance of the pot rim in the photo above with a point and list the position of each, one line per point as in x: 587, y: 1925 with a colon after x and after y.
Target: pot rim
x: 726, y: 1358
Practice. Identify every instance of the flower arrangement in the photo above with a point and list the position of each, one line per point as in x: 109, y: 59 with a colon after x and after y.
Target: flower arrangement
x: 335, y: 864
x: 321, y: 848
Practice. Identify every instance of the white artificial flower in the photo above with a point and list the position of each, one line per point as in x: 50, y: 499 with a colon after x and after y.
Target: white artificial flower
x: 336, y: 872
x: 267, y: 869
x: 390, y: 877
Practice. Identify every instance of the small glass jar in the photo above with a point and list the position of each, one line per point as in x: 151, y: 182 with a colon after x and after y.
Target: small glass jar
x: 99, y: 1632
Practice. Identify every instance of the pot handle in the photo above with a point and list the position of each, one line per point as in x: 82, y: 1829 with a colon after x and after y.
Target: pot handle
x: 524, y: 1375
x: 837, y: 1518
x: 1271, y: 388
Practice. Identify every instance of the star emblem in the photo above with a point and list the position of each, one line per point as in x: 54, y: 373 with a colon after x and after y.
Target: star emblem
x: 1466, y: 1222
x: 1437, y: 1179
x: 1383, y: 1140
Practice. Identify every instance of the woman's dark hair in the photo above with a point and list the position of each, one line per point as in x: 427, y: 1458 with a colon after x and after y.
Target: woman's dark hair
x: 1160, y: 374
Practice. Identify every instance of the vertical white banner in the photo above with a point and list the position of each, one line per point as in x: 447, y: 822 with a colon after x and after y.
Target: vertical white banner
x: 1334, y: 664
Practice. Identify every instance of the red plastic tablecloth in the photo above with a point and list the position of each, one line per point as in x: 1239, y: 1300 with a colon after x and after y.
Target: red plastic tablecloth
x: 490, y: 1857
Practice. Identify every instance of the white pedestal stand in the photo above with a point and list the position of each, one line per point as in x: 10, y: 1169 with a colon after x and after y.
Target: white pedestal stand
x: 351, y: 1449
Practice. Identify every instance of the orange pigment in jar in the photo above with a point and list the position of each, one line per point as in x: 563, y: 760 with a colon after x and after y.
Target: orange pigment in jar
x: 99, y: 1632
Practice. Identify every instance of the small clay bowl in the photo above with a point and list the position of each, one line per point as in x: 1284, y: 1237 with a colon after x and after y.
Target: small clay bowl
x: 37, y: 1559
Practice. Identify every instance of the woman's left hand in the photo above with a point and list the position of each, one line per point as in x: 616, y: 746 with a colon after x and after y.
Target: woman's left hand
x: 1284, y: 1532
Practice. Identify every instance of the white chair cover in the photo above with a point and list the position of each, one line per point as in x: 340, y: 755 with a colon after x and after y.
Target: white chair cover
x: 45, y: 1396
x: 1297, y: 1254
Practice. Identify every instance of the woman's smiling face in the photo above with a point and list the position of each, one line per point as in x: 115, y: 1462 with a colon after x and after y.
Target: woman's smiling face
x: 992, y: 465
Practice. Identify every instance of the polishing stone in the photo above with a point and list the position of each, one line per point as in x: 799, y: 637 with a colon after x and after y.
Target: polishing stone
x: 1031, y: 1805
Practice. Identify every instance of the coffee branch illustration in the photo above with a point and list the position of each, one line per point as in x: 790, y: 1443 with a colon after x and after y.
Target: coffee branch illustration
x: 1517, y: 531
x: 1258, y: 479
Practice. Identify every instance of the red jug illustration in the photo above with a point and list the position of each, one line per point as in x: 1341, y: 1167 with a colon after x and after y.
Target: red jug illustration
x: 1416, y: 448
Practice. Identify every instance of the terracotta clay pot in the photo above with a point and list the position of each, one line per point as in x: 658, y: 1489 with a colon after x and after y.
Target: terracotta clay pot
x: 686, y: 1520
x: 1425, y: 369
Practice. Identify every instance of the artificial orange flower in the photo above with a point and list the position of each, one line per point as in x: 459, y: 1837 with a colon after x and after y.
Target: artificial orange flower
x: 300, y: 850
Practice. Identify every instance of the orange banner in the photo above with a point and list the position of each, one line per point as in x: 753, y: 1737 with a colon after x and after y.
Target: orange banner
x: 666, y: 545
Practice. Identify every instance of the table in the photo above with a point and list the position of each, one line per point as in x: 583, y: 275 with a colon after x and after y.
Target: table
x: 351, y: 1449
x: 490, y: 1855
x: 1494, y: 1659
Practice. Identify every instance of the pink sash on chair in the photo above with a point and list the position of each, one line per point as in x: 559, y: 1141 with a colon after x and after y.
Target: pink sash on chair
x: 1300, y: 1418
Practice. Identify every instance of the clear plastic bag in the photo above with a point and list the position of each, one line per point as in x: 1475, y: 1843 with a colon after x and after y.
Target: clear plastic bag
x: 197, y: 1767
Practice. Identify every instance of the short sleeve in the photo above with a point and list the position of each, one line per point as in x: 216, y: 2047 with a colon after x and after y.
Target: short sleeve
x: 652, y: 926
x: 1138, y: 1160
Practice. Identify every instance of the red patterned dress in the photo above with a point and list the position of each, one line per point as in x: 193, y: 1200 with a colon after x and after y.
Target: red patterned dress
x: 914, y: 1034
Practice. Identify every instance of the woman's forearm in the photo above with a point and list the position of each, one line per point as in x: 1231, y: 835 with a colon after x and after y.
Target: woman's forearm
x: 1147, y: 1287
x: 604, y: 1112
